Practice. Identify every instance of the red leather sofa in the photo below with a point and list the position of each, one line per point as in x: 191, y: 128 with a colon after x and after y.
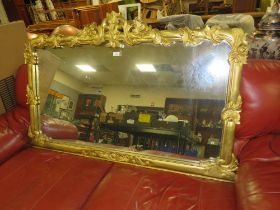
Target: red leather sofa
x: 37, y: 179
x: 258, y: 137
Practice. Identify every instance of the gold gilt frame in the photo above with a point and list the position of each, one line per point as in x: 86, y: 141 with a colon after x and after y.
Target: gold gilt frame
x: 113, y: 32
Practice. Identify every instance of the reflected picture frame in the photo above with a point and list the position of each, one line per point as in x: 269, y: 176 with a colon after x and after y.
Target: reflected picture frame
x: 70, y: 104
x: 64, y: 102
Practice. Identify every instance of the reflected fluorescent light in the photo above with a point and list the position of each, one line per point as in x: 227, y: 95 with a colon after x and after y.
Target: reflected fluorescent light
x: 146, y: 67
x: 219, y: 69
x: 86, y: 68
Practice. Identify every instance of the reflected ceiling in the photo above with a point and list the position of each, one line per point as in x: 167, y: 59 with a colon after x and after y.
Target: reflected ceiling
x: 176, y: 66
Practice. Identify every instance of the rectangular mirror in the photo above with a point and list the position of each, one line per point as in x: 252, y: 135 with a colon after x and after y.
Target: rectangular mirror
x: 170, y: 104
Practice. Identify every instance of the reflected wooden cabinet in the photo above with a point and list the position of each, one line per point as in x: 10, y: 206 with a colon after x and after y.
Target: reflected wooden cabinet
x: 204, y: 119
x: 198, y: 132
x: 89, y: 105
x: 88, y: 108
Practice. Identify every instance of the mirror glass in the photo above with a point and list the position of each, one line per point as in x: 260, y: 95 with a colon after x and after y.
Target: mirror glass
x: 153, y: 99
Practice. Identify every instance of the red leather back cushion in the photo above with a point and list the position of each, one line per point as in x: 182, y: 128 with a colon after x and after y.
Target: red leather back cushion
x: 260, y: 91
x: 21, y: 83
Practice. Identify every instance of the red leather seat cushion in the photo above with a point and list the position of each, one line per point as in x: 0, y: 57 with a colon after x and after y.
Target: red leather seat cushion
x: 43, y: 180
x: 257, y: 181
x: 21, y: 84
x: 263, y: 148
x: 130, y: 187
x: 258, y: 185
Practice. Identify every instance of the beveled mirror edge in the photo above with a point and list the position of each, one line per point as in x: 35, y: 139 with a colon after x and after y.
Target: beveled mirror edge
x: 114, y: 31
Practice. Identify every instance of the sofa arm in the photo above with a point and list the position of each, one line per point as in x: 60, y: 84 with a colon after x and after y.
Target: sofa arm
x: 57, y: 128
x: 13, y: 132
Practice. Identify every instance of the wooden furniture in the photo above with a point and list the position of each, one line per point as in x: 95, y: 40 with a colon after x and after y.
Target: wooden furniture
x: 92, y: 14
x: 244, y: 6
x: 89, y: 105
x: 202, y: 114
x: 149, y: 136
x: 62, y: 10
x: 25, y: 10
x: 205, y: 7
x: 88, y: 108
x: 204, y: 119
x: 16, y: 10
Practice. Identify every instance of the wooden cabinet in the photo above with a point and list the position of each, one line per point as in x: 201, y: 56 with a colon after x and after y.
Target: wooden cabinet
x: 25, y: 10
x: 16, y: 10
x: 244, y: 6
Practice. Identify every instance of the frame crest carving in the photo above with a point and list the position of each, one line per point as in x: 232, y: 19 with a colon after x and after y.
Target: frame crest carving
x: 114, y: 32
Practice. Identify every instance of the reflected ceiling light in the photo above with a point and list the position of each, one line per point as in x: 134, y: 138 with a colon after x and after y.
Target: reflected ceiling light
x: 219, y: 69
x: 86, y: 68
x: 146, y: 67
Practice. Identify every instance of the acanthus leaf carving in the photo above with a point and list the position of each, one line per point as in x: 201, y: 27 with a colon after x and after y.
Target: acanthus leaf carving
x: 239, y: 52
x: 29, y: 56
x: 217, y: 167
x: 115, y: 156
x: 32, y: 99
x: 232, y: 111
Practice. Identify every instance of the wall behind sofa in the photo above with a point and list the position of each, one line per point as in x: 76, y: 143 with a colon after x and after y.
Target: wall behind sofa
x: 12, y: 41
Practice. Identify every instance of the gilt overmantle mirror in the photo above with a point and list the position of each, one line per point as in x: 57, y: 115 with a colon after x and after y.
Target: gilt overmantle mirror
x: 155, y: 98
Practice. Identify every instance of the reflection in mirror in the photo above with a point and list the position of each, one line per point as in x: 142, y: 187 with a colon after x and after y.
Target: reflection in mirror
x: 155, y: 99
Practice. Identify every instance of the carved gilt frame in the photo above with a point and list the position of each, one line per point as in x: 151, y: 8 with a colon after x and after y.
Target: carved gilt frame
x: 113, y: 32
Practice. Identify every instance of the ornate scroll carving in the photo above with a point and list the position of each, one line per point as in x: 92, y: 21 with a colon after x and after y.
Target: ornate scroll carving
x: 116, y: 156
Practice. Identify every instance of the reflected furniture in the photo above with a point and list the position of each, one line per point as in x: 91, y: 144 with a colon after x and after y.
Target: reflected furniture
x: 88, y: 107
x: 33, y: 178
x: 58, y: 129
